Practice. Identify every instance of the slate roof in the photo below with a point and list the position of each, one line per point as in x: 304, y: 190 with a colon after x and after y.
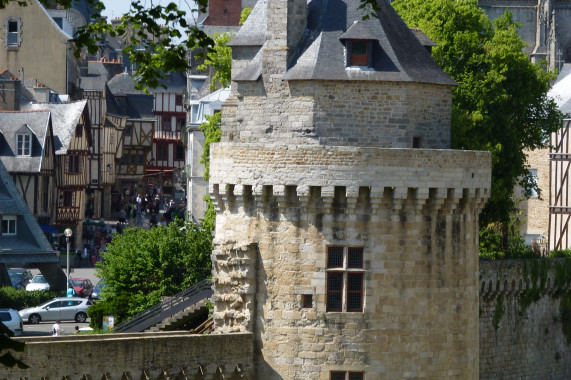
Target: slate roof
x: 123, y: 84
x: 253, y: 32
x: 397, y: 53
x: 123, y: 99
x: 30, y: 244
x: 65, y: 117
x: 175, y: 82
x: 17, y: 122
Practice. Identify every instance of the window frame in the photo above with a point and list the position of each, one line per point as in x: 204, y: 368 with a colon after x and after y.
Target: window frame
x: 23, y: 143
x: 350, y: 273
x: 10, y: 223
x: 346, y: 375
x: 162, y: 152
x: 73, y: 164
x: 359, y: 60
x: 178, y: 100
x: 14, y: 42
x: 166, y: 124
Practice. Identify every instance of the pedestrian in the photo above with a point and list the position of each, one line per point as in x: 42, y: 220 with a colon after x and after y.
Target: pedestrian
x: 157, y: 204
x: 56, y: 329
x: 122, y: 216
x: 70, y: 291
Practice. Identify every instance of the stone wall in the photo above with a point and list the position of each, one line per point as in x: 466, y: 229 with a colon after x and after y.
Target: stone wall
x: 521, y: 337
x: 414, y: 213
x: 149, y: 356
x: 343, y: 113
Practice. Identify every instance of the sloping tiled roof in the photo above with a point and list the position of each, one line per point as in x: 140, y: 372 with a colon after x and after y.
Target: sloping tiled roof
x: 65, y: 117
x: 30, y: 244
x: 175, y: 82
x: 253, y: 32
x: 123, y: 84
x: 11, y: 123
x: 398, y: 55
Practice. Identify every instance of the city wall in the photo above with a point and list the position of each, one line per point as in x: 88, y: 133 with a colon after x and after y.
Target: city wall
x: 150, y: 356
x: 522, y: 335
x: 525, y: 320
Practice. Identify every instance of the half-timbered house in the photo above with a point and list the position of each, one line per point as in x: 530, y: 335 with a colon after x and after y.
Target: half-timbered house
x: 72, y: 132
x: 27, y: 152
x: 167, y: 157
x: 134, y: 108
x: 106, y: 136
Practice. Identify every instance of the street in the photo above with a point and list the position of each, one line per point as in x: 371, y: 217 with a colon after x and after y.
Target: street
x: 45, y: 328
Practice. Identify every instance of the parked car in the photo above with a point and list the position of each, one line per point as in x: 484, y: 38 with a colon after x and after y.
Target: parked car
x: 38, y: 282
x: 20, y: 277
x: 82, y: 286
x: 11, y: 319
x: 58, y: 309
x: 97, y: 289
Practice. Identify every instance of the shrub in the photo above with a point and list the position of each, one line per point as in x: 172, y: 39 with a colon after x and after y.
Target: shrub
x: 117, y: 306
x: 20, y: 298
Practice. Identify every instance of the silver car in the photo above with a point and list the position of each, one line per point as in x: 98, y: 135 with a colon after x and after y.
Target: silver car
x: 58, y: 309
x: 11, y: 319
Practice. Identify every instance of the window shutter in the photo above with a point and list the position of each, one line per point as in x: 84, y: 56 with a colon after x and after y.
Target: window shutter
x: 370, y: 53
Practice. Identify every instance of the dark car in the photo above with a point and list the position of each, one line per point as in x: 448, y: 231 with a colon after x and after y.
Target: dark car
x: 82, y: 286
x: 97, y: 289
x: 20, y: 277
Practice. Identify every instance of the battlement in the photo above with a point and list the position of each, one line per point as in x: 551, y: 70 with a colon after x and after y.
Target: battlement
x: 345, y: 179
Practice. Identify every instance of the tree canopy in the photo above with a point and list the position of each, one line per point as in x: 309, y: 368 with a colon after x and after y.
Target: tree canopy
x: 149, y: 264
x: 219, y: 59
x: 500, y: 104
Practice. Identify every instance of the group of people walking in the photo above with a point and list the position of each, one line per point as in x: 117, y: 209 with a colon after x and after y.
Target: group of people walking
x: 148, y: 205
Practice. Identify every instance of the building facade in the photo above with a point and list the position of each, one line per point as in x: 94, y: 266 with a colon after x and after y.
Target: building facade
x: 346, y: 232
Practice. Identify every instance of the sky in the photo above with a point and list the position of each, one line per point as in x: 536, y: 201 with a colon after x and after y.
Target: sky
x: 116, y: 8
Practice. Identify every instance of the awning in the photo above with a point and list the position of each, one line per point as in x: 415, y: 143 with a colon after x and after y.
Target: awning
x: 49, y: 229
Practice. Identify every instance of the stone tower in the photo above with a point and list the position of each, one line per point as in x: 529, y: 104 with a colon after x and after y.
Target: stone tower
x: 346, y: 230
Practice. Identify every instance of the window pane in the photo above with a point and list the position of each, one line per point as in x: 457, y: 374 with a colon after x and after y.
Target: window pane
x: 355, y: 259
x: 334, y: 291
x: 354, y: 291
x: 355, y: 375
x: 337, y: 375
x: 359, y: 47
x: 335, y: 257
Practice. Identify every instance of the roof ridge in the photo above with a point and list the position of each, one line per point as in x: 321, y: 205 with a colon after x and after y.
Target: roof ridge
x: 25, y: 111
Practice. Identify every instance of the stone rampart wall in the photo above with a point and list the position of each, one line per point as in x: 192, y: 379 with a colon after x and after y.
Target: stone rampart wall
x: 149, y: 356
x: 521, y: 324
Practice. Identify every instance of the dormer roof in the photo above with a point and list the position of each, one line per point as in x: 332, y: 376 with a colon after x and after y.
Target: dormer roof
x: 13, y: 123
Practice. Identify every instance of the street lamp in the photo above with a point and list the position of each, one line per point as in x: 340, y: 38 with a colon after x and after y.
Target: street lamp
x: 68, y: 232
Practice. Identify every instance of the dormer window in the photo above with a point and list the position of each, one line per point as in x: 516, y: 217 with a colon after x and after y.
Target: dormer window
x: 8, y: 225
x: 360, y: 52
x: 24, y: 145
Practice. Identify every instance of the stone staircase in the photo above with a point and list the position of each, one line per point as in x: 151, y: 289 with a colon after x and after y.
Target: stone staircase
x: 182, y: 317
x: 179, y: 309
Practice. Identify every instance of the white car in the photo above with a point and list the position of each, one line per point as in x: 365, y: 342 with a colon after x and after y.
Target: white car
x: 58, y: 309
x: 39, y: 282
x: 11, y: 319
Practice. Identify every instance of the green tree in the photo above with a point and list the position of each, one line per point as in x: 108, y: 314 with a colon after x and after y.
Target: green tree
x: 212, y: 133
x: 219, y: 59
x: 149, y: 264
x: 500, y: 104
x: 244, y: 15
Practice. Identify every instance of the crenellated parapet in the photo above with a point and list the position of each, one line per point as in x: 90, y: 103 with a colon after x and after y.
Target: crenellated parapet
x: 327, y: 180
x: 514, y: 278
